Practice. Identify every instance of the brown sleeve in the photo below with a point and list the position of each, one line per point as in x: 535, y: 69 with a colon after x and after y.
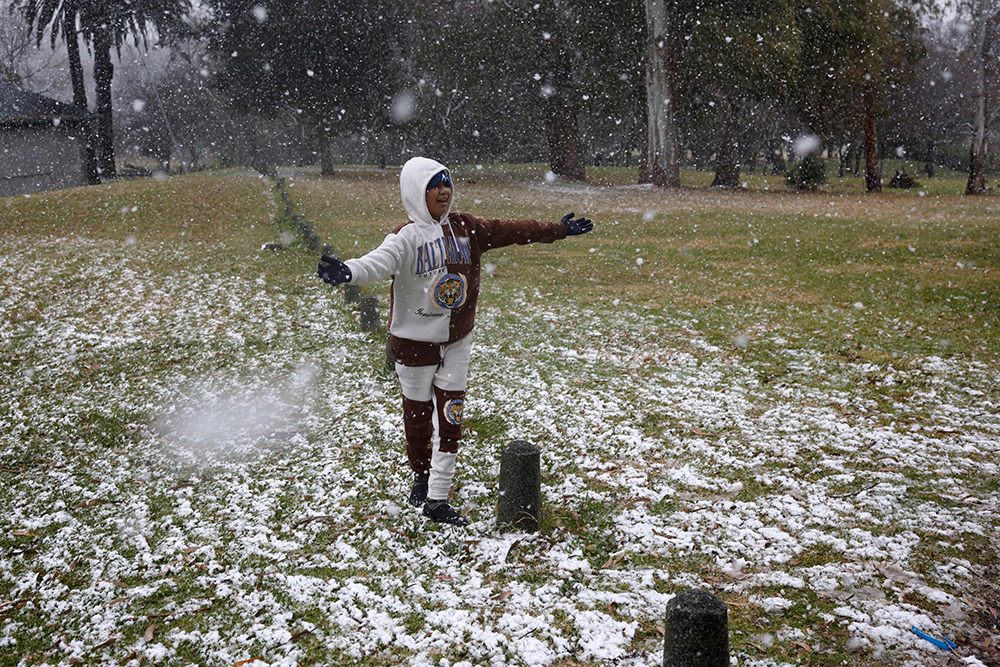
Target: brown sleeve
x: 500, y: 233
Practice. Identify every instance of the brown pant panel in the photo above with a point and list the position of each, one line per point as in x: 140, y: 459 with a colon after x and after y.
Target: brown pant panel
x: 419, y: 429
x: 414, y: 353
x: 449, y: 407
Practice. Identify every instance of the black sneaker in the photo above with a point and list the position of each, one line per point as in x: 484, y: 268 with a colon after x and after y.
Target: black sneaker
x: 418, y: 492
x: 439, y: 511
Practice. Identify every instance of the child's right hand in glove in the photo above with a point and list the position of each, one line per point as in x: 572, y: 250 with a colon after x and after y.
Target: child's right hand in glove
x: 333, y: 271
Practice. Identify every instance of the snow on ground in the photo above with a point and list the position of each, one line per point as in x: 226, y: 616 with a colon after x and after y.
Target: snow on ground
x: 205, y: 469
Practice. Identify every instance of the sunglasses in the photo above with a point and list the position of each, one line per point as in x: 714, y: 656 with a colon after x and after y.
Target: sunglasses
x: 441, y: 178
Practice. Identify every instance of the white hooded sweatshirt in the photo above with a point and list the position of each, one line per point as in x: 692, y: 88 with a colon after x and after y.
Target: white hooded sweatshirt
x: 435, y: 263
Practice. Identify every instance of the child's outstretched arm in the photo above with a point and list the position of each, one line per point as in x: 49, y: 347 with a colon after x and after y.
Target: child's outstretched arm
x: 380, y: 263
x: 501, y: 233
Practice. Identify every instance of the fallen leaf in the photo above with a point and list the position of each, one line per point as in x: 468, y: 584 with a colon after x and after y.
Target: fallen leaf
x: 24, y: 533
x: 299, y: 635
x: 698, y: 431
x: 500, y: 597
x: 612, y: 561
x: 247, y: 661
x: 148, y: 636
x: 105, y: 643
x: 510, y: 549
x: 803, y: 645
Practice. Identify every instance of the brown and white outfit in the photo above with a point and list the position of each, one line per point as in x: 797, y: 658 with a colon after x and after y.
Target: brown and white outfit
x: 435, y: 266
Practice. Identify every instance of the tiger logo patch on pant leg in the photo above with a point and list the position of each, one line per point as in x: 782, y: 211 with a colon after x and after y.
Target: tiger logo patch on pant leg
x: 453, y: 411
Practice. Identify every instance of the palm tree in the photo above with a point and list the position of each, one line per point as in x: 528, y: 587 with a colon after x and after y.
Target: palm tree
x: 41, y: 14
x: 104, y: 24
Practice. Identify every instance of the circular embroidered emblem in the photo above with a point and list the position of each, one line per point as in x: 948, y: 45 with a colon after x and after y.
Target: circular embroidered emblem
x: 450, y: 291
x: 453, y: 411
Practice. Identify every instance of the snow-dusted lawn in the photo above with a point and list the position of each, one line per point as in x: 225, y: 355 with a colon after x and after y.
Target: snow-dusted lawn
x: 201, y: 461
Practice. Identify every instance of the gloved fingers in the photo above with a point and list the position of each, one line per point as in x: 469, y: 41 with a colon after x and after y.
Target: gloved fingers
x: 566, y: 218
x: 329, y: 259
x: 323, y: 271
x: 578, y: 226
x: 328, y: 273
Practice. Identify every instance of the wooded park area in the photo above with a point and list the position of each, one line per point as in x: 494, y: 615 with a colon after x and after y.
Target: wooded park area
x: 725, y: 86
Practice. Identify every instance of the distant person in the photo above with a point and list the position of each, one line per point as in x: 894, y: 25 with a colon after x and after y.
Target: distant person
x: 434, y: 262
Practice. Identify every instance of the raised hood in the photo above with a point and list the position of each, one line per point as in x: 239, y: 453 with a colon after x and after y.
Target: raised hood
x: 413, y: 180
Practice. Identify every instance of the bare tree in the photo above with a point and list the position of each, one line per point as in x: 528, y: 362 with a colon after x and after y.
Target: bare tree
x: 661, y: 134
x: 985, y: 18
x: 20, y: 62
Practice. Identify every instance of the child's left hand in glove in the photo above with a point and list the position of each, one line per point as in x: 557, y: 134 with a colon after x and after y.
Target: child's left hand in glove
x: 577, y: 226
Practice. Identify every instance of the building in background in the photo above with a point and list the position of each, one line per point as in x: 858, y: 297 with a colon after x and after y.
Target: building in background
x: 41, y: 142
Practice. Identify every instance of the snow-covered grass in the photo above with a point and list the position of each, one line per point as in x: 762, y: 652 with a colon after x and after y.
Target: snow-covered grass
x: 791, y: 401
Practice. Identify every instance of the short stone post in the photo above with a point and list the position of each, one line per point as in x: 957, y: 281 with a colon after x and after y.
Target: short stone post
x: 696, y: 631
x: 352, y: 293
x: 370, y: 320
x: 519, y: 505
x: 390, y: 362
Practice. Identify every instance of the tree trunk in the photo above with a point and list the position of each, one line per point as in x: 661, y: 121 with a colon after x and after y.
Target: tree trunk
x: 755, y: 151
x: 88, y: 156
x: 777, y: 158
x: 929, y: 168
x: 104, y: 71
x: 645, y: 175
x: 325, y: 150
x: 662, y: 162
x: 564, y: 139
x: 977, y: 153
x: 727, y: 168
x: 562, y: 129
x: 873, y: 179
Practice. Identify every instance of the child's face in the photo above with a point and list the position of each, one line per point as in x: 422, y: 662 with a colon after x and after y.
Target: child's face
x: 438, y: 200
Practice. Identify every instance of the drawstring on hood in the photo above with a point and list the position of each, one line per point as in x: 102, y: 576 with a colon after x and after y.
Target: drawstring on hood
x: 413, y: 180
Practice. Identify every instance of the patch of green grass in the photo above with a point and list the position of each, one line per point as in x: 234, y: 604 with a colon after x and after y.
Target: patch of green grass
x: 486, y: 425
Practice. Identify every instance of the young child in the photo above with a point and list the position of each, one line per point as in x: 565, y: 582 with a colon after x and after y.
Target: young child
x: 434, y: 263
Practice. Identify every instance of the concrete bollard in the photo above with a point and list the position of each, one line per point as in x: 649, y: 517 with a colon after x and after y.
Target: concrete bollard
x: 352, y: 293
x: 519, y: 505
x: 370, y: 320
x: 390, y: 363
x: 696, y: 631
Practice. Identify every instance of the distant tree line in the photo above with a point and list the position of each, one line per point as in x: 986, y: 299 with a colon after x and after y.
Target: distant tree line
x: 722, y: 85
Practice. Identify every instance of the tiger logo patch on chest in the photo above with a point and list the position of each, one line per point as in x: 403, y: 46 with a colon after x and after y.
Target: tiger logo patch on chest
x: 450, y: 291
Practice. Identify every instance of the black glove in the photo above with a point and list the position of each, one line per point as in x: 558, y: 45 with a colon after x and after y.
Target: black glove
x: 578, y: 226
x: 333, y: 271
